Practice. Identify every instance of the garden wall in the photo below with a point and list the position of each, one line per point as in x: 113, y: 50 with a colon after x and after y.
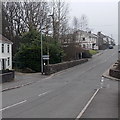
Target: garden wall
x: 53, y: 68
x: 114, y: 73
x: 7, y: 76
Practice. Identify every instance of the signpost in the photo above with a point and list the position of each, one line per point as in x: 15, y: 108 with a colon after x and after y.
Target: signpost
x: 45, y: 57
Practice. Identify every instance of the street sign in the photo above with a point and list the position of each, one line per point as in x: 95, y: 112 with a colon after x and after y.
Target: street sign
x: 45, y: 57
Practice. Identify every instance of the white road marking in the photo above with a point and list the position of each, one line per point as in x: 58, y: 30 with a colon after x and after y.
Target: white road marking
x: 43, y: 93
x: 13, y: 105
x: 86, y: 106
x: 21, y: 102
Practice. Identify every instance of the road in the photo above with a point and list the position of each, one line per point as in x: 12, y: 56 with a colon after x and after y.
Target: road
x: 61, y: 96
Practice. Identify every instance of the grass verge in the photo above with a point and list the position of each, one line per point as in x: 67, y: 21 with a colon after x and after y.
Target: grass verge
x: 93, y: 52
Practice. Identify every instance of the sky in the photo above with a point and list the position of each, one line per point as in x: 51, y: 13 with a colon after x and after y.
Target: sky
x: 102, y: 15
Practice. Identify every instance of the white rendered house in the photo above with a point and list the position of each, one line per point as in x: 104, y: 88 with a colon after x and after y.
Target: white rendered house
x: 5, y: 53
x: 87, y: 40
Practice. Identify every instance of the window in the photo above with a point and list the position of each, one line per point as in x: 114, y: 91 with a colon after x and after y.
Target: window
x: 83, y: 45
x: 8, y: 48
x: 2, y: 48
x: 83, y: 39
x: 89, y: 36
x: 8, y: 61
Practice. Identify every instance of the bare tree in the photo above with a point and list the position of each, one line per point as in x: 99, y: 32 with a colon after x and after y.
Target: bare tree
x: 76, y: 23
x: 35, y: 14
x: 10, y: 27
x: 59, y: 16
x: 83, y: 22
x: 19, y: 17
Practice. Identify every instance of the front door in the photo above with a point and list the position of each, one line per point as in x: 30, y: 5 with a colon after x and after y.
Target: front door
x: 3, y: 64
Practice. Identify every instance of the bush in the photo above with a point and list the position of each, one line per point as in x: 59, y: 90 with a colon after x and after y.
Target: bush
x: 28, y: 58
x: 86, y: 54
x: 56, y: 53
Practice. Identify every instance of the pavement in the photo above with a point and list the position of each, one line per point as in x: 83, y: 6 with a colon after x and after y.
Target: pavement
x: 66, y: 94
x: 23, y: 79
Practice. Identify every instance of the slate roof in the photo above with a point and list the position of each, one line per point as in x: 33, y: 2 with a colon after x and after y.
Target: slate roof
x: 4, y: 39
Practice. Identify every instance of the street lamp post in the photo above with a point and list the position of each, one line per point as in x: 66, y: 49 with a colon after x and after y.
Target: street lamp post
x: 42, y: 51
x: 41, y: 54
x: 48, y: 21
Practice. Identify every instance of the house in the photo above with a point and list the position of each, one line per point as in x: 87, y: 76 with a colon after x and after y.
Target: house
x: 111, y: 41
x: 87, y: 40
x: 103, y: 41
x: 5, y: 53
x: 84, y: 39
x: 73, y: 46
x: 66, y: 40
x: 94, y: 40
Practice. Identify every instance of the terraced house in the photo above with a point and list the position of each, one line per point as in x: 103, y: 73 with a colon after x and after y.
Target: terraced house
x: 5, y: 53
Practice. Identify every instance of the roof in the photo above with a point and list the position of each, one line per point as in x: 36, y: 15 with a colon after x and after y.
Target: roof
x: 4, y: 39
x: 101, y: 35
x: 110, y: 37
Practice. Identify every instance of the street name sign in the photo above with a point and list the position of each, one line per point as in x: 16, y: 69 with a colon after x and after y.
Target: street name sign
x: 45, y: 57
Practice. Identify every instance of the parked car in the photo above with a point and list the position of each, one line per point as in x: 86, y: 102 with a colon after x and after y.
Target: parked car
x: 110, y: 46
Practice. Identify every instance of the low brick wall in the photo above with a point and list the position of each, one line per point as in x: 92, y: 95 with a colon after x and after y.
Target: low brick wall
x: 7, y: 77
x: 114, y: 73
x: 53, y: 68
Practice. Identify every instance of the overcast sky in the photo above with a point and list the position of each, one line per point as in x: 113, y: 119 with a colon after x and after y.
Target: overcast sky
x: 102, y: 14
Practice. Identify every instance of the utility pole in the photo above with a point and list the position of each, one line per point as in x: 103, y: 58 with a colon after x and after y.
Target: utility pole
x: 41, y: 53
x: 48, y: 22
x: 53, y: 19
x: 59, y: 21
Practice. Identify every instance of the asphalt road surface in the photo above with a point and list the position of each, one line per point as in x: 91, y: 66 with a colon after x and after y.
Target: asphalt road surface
x: 61, y: 96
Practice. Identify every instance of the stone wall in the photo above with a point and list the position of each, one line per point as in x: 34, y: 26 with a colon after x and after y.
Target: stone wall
x: 114, y: 73
x: 53, y: 68
x: 7, y: 77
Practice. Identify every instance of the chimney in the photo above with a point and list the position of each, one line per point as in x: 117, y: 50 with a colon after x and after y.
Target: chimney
x: 99, y: 33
